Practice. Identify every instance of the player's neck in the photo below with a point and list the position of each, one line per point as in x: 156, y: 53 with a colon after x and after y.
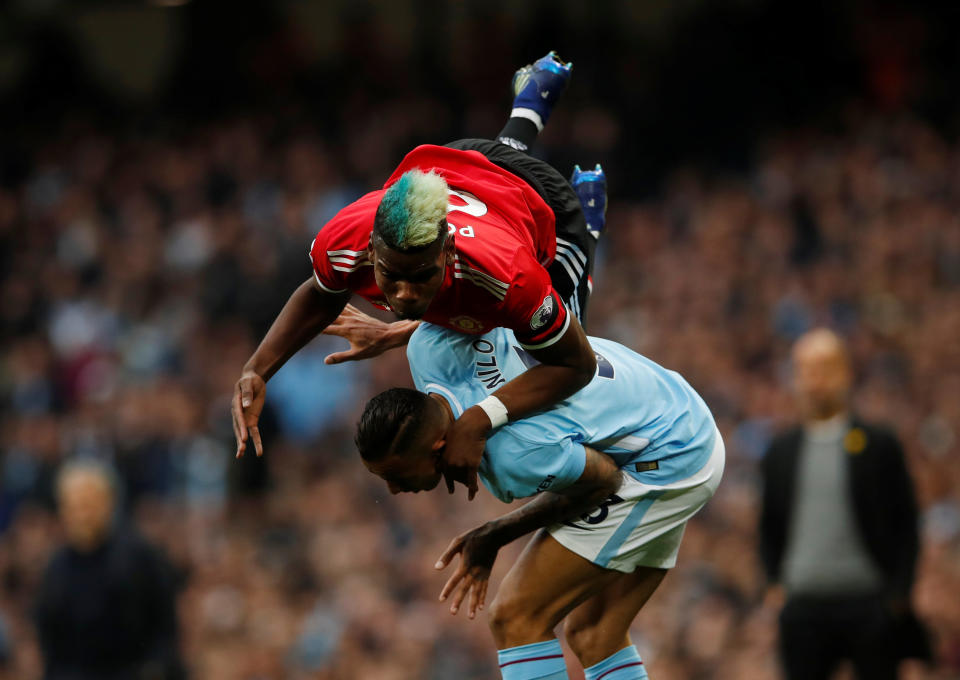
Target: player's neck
x: 445, y: 405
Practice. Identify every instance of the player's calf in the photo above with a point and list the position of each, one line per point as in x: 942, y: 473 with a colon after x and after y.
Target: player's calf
x: 593, y: 643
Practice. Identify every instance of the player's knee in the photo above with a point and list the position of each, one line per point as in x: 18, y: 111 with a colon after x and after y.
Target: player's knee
x: 504, y: 618
x: 514, y: 620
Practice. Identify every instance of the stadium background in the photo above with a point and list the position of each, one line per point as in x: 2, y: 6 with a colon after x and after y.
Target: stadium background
x: 164, y: 166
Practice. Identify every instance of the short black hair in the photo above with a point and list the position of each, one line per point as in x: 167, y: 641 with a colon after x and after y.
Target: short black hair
x: 390, y: 422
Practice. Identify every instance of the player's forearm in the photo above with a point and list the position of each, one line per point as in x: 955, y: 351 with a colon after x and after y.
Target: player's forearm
x: 546, y: 509
x: 565, y: 367
x: 541, y: 387
x: 303, y: 317
x: 537, y: 389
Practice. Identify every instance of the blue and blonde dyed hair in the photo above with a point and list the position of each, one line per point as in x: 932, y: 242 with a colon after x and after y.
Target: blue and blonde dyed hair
x: 412, y: 213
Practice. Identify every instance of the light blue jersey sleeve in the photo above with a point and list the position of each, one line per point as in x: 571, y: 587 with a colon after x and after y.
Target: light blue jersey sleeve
x: 520, y: 461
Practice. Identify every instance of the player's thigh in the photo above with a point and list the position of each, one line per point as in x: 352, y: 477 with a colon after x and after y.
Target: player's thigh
x: 600, y: 626
x: 547, y: 582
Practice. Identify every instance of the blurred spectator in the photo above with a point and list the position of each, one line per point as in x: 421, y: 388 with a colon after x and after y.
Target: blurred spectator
x: 839, y: 529
x: 106, y: 606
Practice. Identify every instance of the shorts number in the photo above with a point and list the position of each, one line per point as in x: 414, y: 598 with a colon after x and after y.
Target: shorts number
x: 600, y: 513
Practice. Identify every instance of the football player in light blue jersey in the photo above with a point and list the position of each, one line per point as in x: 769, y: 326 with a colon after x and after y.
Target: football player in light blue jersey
x: 617, y: 470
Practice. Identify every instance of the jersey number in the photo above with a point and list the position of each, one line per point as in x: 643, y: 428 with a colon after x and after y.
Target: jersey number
x: 473, y: 205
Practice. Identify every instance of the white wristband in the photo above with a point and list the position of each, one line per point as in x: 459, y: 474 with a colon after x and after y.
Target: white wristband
x: 495, y: 410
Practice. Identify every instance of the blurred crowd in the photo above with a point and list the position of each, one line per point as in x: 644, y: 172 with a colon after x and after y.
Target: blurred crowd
x: 139, y: 272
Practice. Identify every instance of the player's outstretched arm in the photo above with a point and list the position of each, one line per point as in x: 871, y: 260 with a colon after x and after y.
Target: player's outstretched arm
x: 308, y: 311
x: 478, y: 548
x: 565, y: 367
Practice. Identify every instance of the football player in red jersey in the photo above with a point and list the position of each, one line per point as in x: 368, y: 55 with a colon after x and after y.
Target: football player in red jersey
x: 472, y: 235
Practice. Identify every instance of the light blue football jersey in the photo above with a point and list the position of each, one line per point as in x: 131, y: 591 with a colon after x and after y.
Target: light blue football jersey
x: 633, y: 410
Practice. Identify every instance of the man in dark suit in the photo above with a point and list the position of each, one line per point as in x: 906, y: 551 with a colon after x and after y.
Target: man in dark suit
x: 106, y: 607
x: 838, y: 528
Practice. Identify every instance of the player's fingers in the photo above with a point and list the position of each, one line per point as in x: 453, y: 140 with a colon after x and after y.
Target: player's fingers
x: 238, y: 414
x: 346, y: 355
x: 448, y: 479
x: 236, y: 432
x: 335, y: 328
x: 461, y: 593
x: 483, y: 593
x: 257, y: 444
x: 471, y: 484
x: 474, y: 599
x: 456, y: 545
x: 246, y: 392
x: 451, y: 583
x: 239, y: 426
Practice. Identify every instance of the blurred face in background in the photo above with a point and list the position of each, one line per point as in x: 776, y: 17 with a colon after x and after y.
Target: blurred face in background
x: 86, y: 507
x: 821, y: 372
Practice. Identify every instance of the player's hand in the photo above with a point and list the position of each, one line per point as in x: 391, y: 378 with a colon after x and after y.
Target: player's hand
x: 464, y: 449
x: 248, y: 397
x: 478, y: 551
x: 368, y: 337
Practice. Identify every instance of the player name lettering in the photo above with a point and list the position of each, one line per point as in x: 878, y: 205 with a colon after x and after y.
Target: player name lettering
x: 466, y: 232
x: 487, y: 369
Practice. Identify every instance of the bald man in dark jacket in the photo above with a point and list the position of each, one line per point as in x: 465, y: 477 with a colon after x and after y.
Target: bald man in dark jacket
x: 106, y: 606
x: 838, y: 529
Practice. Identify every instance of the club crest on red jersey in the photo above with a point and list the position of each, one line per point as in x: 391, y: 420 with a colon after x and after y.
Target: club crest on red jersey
x: 467, y: 323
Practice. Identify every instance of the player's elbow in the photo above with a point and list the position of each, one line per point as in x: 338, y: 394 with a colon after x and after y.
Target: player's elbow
x: 601, y: 488
x: 609, y: 483
x: 601, y: 476
x: 584, y: 370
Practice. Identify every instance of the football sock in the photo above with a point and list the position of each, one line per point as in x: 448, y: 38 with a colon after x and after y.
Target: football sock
x: 624, y: 665
x: 539, y: 661
x: 519, y: 133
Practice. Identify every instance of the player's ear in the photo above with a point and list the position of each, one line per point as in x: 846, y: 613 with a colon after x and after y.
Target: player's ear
x: 450, y: 249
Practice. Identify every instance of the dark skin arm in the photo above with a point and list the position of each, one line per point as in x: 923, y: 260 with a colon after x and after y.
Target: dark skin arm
x: 308, y: 311
x: 565, y: 367
x: 478, y: 548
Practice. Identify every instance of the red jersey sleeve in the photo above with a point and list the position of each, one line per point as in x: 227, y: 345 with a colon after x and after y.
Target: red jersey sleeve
x: 534, y: 310
x: 325, y: 275
x: 340, y: 247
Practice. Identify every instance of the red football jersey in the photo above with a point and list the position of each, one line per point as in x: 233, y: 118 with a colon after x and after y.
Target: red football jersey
x: 505, y: 237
